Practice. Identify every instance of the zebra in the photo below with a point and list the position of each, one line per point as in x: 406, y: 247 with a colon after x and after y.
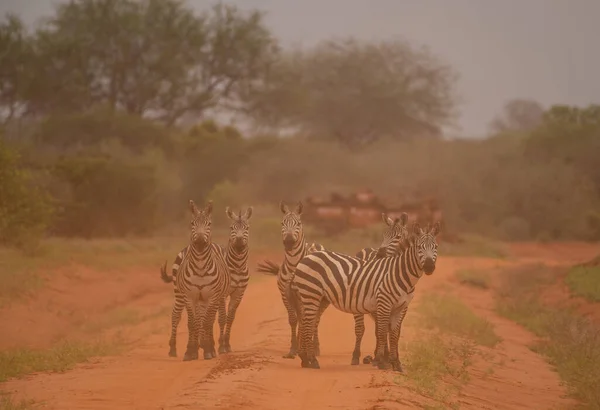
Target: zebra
x: 384, y: 286
x: 296, y: 248
x: 237, y: 262
x: 394, y: 236
x: 201, y: 280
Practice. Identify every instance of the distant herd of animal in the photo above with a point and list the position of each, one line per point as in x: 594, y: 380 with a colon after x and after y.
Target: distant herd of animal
x: 379, y: 282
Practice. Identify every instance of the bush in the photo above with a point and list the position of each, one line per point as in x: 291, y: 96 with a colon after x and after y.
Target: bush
x: 25, y: 210
x: 115, y: 195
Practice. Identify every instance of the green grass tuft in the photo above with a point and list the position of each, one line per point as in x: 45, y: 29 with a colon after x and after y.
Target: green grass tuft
x: 450, y: 315
x: 584, y: 281
x: 18, y: 362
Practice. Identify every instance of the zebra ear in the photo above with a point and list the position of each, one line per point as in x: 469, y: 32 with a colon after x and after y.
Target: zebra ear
x: 436, y: 228
x: 417, y: 229
x: 193, y: 208
x: 208, y: 208
x: 229, y: 213
x: 284, y: 208
x: 386, y: 219
x: 299, y: 208
x: 404, y: 218
x: 248, y: 214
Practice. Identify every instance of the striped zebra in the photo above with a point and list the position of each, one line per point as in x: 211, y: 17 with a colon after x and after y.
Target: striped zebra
x: 200, y: 280
x: 383, y: 286
x: 237, y: 262
x: 295, y: 247
x: 394, y: 236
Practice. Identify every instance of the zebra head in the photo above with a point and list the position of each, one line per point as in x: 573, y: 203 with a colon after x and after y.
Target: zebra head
x: 424, y: 240
x: 291, y: 226
x: 201, y: 222
x: 394, y: 235
x: 239, y: 231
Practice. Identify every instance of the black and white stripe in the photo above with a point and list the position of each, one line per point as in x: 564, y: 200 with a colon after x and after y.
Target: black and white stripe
x: 394, y: 235
x: 295, y: 247
x: 201, y: 280
x: 237, y: 261
x: 380, y: 286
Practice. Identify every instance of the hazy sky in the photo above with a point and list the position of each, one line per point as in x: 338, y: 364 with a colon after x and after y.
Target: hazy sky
x: 541, y: 49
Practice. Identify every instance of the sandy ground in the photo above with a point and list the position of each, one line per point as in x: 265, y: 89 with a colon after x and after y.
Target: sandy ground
x: 254, y: 375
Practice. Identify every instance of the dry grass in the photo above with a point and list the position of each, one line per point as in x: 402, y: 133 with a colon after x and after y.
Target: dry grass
x: 478, y: 279
x: 8, y: 403
x: 569, y: 341
x: 18, y: 362
x: 474, y: 245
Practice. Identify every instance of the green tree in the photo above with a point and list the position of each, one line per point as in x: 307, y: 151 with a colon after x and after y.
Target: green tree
x: 15, y: 55
x: 358, y: 92
x: 153, y: 58
x: 518, y: 115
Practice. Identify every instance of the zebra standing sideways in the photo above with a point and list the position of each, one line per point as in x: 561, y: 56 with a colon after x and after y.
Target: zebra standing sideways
x: 237, y: 262
x: 201, y: 280
x: 394, y: 236
x: 383, y: 286
x: 296, y: 248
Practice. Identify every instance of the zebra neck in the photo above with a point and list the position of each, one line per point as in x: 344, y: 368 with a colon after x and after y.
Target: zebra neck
x: 409, y: 268
x: 293, y: 256
x: 237, y: 259
x: 198, y: 258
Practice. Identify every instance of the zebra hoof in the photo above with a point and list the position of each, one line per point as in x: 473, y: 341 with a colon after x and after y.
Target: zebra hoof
x: 397, y: 366
x: 190, y: 356
x: 222, y: 349
x: 382, y: 365
x: 368, y: 359
x: 172, y: 353
x: 355, y: 361
x: 289, y: 356
x: 314, y: 364
x: 227, y: 348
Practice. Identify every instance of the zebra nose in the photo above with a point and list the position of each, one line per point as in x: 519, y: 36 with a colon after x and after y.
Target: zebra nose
x: 288, y: 240
x: 429, y: 266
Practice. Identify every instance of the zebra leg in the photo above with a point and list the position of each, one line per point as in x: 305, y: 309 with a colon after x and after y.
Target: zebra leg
x: 386, y: 353
x: 201, y: 336
x: 178, y: 306
x: 293, y: 321
x: 382, y: 328
x: 395, y: 329
x: 359, y: 331
x: 210, y: 315
x: 310, y: 313
x: 222, y: 324
x: 316, y: 344
x: 234, y: 303
x: 191, y: 352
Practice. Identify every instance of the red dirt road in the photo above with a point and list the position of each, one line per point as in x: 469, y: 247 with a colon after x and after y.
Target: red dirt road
x: 255, y: 376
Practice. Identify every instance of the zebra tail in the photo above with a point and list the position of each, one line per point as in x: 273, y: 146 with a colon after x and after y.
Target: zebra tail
x: 163, y: 274
x: 268, y: 267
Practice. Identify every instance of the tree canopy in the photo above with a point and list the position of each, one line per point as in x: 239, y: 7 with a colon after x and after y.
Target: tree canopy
x: 153, y: 58
x: 358, y: 92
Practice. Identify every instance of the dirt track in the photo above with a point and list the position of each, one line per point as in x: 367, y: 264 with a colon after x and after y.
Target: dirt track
x: 255, y: 376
